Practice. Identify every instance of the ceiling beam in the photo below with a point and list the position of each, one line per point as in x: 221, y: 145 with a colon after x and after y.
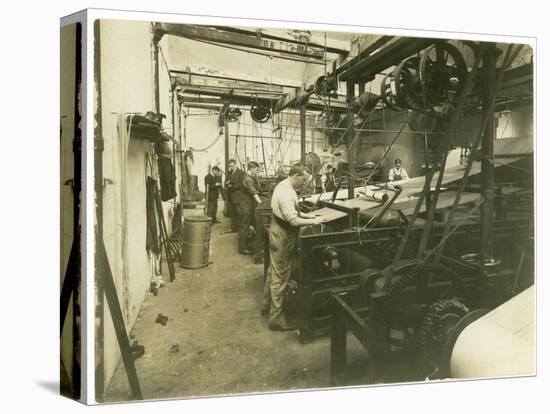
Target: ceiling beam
x: 221, y: 96
x: 223, y: 92
x: 201, y: 71
x: 201, y: 106
x: 261, y: 33
x: 229, y: 100
x: 237, y: 39
x: 184, y: 80
x: 518, y: 75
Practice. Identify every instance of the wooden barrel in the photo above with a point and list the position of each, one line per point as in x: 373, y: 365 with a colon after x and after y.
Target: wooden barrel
x: 196, y: 242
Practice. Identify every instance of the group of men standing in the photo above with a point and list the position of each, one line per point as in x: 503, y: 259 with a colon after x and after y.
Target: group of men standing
x: 241, y: 197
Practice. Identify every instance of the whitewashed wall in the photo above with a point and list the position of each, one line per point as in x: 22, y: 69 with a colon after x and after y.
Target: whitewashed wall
x: 127, y: 86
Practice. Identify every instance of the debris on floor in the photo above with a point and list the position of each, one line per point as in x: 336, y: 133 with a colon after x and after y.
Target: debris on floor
x: 156, y: 283
x: 162, y: 319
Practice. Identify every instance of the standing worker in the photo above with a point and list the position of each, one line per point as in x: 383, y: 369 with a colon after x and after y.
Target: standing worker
x: 328, y: 182
x: 283, y: 237
x: 233, y: 174
x: 398, y: 173
x: 280, y: 172
x: 213, y: 183
x: 244, y: 195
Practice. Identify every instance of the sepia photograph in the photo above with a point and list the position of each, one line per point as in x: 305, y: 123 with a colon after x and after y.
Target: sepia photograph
x: 284, y: 208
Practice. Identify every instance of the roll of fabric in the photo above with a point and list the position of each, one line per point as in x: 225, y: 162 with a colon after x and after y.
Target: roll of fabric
x: 501, y: 343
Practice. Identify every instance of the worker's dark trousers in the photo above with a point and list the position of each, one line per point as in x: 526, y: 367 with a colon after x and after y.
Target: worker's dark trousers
x: 282, y: 252
x: 232, y: 214
x: 212, y: 209
x: 244, y: 218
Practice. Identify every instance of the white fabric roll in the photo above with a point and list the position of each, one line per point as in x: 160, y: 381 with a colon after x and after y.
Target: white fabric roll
x: 501, y: 343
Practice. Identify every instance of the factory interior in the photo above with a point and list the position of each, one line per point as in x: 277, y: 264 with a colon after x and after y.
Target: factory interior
x: 409, y: 248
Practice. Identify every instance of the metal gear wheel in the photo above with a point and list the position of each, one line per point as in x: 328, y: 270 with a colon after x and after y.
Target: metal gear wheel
x: 434, y: 331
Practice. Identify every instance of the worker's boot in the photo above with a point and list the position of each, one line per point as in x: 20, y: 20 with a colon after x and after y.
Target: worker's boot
x: 282, y: 326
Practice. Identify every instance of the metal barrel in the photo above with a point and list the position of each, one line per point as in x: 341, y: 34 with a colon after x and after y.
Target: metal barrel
x: 196, y: 242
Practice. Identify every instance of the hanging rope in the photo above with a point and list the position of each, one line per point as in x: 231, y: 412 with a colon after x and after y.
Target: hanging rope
x: 289, y: 145
x: 263, y: 148
x: 282, y: 136
x: 237, y: 140
x: 340, y: 140
x: 208, y: 146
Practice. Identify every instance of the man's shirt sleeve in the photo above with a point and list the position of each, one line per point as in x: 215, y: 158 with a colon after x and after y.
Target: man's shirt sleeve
x: 250, y: 186
x: 287, y: 204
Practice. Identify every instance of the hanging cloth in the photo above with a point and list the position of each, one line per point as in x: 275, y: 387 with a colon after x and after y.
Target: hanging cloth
x: 167, y: 177
x: 152, y: 242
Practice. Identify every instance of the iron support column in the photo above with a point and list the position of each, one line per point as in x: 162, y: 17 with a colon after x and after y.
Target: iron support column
x: 350, y: 138
x: 487, y: 152
x: 303, y: 135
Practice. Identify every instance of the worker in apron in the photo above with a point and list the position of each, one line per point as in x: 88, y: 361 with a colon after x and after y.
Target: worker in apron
x: 283, y: 244
x: 398, y: 173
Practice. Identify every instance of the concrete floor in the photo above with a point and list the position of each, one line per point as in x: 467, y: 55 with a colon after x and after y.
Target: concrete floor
x: 215, y: 341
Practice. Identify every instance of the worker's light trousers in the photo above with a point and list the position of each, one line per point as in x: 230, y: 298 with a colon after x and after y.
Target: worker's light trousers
x: 282, y: 252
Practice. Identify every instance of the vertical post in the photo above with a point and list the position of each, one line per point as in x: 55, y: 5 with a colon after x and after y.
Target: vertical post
x: 156, y: 84
x: 173, y: 109
x: 98, y: 190
x: 361, y: 91
x: 183, y: 144
x: 180, y: 148
x: 303, y: 135
x: 226, y: 142
x: 338, y: 345
x: 487, y: 152
x: 350, y: 138
x: 305, y: 308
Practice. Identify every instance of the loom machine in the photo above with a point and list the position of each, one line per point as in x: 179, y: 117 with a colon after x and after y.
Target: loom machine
x: 406, y: 266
